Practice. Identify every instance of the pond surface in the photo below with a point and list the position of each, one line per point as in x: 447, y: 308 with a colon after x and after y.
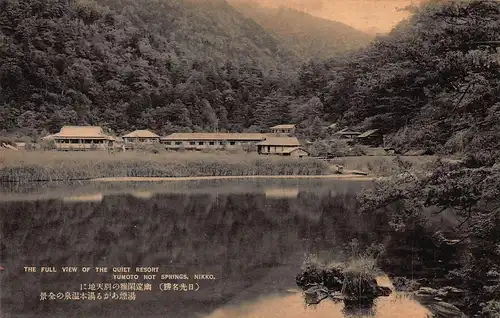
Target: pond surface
x: 252, y: 236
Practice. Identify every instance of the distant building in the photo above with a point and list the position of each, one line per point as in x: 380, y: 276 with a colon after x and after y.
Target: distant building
x: 140, y: 138
x: 283, y: 129
x: 371, y: 137
x: 81, y: 138
x: 200, y: 141
x: 347, y: 134
x: 283, y: 146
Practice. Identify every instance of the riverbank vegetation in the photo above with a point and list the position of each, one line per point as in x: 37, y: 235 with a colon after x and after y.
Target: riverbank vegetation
x: 382, y: 165
x: 52, y: 165
x: 471, y: 194
x: 446, y: 55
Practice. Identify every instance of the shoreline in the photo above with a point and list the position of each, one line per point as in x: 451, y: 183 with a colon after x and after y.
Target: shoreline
x: 134, y: 166
x: 195, y: 178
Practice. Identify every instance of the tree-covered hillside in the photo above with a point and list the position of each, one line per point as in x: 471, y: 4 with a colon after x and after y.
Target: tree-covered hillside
x: 180, y: 65
x: 426, y: 84
x: 164, y: 65
x: 308, y: 36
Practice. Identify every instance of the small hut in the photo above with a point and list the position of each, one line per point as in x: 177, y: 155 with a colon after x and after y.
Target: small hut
x: 284, y: 129
x: 140, y: 138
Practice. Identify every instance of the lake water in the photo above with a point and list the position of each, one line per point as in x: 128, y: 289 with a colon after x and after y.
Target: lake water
x: 252, y: 236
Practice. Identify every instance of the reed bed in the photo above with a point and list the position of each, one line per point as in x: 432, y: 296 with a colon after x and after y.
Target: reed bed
x: 65, y: 166
x: 381, y: 165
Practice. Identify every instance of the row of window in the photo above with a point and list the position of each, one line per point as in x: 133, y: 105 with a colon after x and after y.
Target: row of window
x: 150, y: 140
x: 281, y: 131
x: 80, y: 141
x: 201, y: 143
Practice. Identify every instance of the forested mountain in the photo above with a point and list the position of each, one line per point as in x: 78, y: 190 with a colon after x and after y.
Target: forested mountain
x: 426, y: 84
x: 308, y: 36
x: 172, y: 65
x: 166, y: 65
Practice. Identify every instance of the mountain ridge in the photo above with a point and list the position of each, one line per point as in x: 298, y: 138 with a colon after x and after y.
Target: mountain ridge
x: 309, y: 36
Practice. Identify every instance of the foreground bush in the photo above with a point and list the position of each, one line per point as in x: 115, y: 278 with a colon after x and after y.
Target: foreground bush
x: 353, y: 282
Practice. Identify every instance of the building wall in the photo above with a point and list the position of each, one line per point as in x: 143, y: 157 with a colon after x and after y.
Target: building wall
x: 282, y: 131
x: 82, y: 144
x: 274, y: 149
x: 299, y: 153
x: 205, y: 144
x: 141, y: 140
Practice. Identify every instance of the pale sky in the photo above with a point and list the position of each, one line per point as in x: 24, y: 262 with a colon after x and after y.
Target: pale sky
x: 366, y: 15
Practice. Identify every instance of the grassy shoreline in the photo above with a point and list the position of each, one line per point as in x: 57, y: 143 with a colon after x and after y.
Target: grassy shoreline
x: 62, y: 166
x: 37, y: 166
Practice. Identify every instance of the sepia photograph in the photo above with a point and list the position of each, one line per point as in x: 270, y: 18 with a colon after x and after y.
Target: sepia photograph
x: 249, y: 158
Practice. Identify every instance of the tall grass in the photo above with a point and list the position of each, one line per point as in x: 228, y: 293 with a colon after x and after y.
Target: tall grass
x: 380, y: 165
x: 64, y: 166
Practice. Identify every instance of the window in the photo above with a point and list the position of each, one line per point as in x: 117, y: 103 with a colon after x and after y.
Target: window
x: 221, y: 143
x: 232, y: 143
x: 200, y: 143
x: 168, y: 143
x: 211, y: 143
x: 178, y: 143
x: 192, y: 143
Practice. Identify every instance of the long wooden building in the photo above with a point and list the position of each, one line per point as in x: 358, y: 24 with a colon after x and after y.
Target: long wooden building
x: 199, y: 141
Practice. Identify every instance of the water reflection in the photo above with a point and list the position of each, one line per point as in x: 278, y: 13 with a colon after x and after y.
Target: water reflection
x: 143, y: 194
x: 281, y: 192
x: 84, y: 198
x: 292, y: 306
x: 253, y: 244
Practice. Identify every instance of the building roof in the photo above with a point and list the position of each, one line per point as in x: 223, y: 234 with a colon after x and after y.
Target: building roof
x: 142, y: 133
x: 280, y: 141
x: 368, y: 133
x: 215, y: 136
x: 284, y: 126
x: 346, y: 131
x: 70, y: 132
